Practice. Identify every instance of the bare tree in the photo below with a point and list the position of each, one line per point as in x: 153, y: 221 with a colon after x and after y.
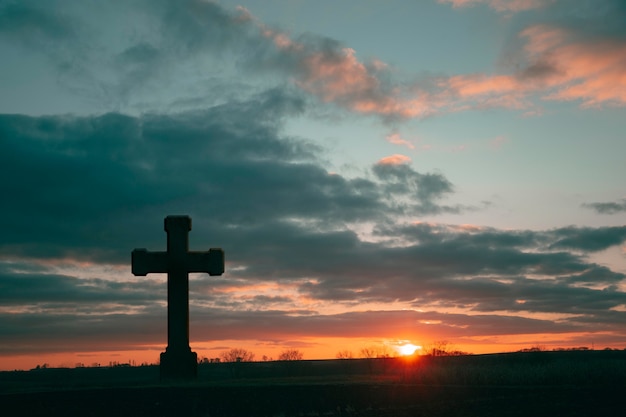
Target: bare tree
x: 290, y: 355
x: 438, y: 348
x: 370, y: 352
x: 536, y: 348
x: 443, y: 348
x: 237, y: 355
x: 344, y: 354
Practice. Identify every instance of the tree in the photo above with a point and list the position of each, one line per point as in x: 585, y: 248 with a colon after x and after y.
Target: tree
x: 237, y: 355
x: 344, y: 354
x: 536, y: 348
x: 443, y: 348
x: 370, y: 352
x: 290, y: 355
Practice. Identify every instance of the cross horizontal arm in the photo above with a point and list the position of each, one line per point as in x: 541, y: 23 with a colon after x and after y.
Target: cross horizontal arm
x: 144, y: 262
x: 211, y: 262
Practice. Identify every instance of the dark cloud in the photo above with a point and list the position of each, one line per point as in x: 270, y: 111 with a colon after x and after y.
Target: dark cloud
x: 480, y: 270
x: 485, y: 270
x: 609, y: 207
x: 34, y: 24
x: 601, y: 18
x: 125, y: 331
x: 36, y: 332
x: 85, y: 184
x: 588, y: 239
x: 128, y: 331
x: 137, y: 65
x: 93, y: 188
x: 49, y: 290
x: 130, y: 63
x: 389, y: 324
x: 196, y: 25
x: 402, y: 180
x: 539, y: 70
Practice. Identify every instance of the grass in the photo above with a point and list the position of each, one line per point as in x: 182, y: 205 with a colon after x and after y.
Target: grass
x: 520, y: 384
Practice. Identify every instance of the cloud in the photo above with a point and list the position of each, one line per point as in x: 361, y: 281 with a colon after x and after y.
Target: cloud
x: 282, y: 277
x: 590, y: 70
x: 27, y: 23
x: 199, y: 38
x: 332, y: 72
x: 119, y: 332
x: 568, y: 57
x: 501, y: 5
x: 77, y: 184
x: 501, y: 279
x: 476, y: 269
x: 87, y: 190
x: 396, y: 139
x: 483, y: 269
x: 134, y: 67
x: 60, y: 294
x: 610, y: 207
x: 395, y: 159
x: 134, y: 64
x: 400, y: 181
x: 557, y: 61
x: 588, y: 239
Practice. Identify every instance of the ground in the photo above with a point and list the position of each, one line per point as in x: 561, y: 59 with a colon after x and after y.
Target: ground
x: 545, y: 384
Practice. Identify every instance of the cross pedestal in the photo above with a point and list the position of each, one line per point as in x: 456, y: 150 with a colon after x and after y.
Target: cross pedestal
x: 178, y: 361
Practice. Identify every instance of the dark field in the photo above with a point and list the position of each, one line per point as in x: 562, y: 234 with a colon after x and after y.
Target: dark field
x: 523, y: 384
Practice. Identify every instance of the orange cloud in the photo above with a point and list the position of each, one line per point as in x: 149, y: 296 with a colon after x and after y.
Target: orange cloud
x: 593, y: 71
x: 501, y: 5
x: 480, y: 84
x: 561, y: 64
x: 469, y: 228
x: 396, y: 139
x: 342, y: 78
x: 336, y: 75
x: 395, y: 159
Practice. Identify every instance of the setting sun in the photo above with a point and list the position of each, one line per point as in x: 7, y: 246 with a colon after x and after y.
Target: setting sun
x: 408, y: 349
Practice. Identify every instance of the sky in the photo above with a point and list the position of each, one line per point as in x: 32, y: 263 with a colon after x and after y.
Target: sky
x: 377, y: 173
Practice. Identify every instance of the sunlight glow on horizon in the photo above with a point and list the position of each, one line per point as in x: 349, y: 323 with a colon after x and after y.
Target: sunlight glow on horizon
x: 408, y: 349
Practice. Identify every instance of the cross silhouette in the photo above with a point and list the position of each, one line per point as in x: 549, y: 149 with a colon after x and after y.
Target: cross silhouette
x: 178, y: 361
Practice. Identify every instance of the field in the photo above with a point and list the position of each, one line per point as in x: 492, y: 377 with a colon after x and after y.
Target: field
x: 522, y: 384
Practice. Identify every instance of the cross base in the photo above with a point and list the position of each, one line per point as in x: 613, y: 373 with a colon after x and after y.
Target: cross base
x: 181, y: 364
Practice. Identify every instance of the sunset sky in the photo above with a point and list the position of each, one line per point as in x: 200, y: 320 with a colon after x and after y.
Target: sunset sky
x: 378, y: 172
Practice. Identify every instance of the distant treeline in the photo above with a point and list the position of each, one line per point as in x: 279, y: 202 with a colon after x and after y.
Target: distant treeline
x: 571, y: 367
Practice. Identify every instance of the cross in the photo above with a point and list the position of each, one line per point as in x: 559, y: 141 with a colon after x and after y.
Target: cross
x: 178, y: 361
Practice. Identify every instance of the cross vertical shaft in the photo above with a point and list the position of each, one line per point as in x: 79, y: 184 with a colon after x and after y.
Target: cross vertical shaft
x: 178, y: 361
x: 177, y: 228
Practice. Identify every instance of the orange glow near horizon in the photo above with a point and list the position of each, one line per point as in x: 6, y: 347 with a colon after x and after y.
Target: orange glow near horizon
x: 312, y: 349
x: 408, y: 349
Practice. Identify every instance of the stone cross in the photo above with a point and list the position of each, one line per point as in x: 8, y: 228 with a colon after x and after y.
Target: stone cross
x: 178, y: 361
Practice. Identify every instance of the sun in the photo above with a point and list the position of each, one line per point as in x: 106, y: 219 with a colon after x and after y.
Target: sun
x: 408, y: 349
